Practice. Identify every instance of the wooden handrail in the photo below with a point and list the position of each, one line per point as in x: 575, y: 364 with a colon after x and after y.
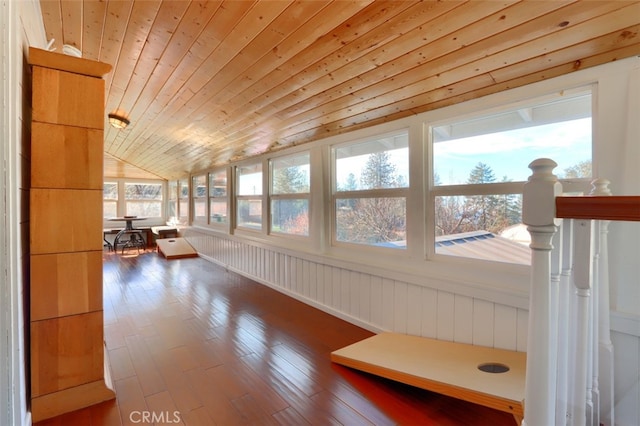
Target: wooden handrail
x: 621, y: 207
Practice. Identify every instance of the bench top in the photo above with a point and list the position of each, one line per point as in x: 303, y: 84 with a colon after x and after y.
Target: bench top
x: 444, y: 367
x: 176, y: 248
x: 158, y: 230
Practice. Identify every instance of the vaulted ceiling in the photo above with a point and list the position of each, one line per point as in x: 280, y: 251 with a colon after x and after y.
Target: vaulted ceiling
x: 208, y: 82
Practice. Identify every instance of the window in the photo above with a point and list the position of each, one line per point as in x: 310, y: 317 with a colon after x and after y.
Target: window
x: 133, y: 198
x: 143, y: 199
x: 183, y: 201
x: 199, y: 185
x: 290, y: 183
x: 218, y: 202
x: 371, y: 181
x: 110, y: 199
x: 480, y: 165
x: 249, y: 196
x: 172, y: 205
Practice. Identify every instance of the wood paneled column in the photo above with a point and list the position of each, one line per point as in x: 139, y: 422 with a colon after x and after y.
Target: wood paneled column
x: 67, y: 343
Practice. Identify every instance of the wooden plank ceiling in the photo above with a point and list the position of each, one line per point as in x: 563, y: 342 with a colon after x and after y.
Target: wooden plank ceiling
x: 209, y: 82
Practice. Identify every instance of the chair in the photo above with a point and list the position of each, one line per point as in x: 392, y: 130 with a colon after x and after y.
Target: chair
x: 107, y: 243
x: 135, y: 239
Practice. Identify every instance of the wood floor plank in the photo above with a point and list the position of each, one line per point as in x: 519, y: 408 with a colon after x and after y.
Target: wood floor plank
x: 183, y: 394
x: 231, y: 382
x: 121, y: 364
x: 199, y: 416
x: 218, y: 406
x: 260, y: 390
x: 289, y: 416
x: 183, y: 358
x: 279, y: 370
x: 145, y: 369
x: 105, y: 414
x: 339, y: 410
x: 162, y: 405
x: 130, y: 400
x: 189, y: 336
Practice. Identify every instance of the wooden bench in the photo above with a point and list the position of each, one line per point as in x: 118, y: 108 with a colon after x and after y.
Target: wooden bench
x: 164, y: 231
x: 443, y: 367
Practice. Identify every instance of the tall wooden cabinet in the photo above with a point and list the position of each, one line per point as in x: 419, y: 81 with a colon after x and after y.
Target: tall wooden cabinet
x: 65, y: 222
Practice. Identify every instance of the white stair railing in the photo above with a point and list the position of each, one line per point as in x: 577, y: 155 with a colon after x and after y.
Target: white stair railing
x: 570, y: 355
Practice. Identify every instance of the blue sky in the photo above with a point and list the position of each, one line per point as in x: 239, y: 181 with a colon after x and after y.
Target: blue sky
x: 509, y: 153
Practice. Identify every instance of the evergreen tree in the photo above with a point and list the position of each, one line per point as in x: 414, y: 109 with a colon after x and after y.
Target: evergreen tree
x: 481, y: 173
x: 480, y: 207
x: 287, y: 180
x: 379, y: 172
x: 352, y: 183
x: 373, y: 220
x: 493, y: 213
x: 286, y: 213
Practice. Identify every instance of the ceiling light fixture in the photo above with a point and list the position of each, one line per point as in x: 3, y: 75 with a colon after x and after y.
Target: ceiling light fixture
x: 70, y: 50
x: 118, y: 120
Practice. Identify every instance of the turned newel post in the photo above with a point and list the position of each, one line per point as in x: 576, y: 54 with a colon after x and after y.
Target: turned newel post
x: 538, y: 213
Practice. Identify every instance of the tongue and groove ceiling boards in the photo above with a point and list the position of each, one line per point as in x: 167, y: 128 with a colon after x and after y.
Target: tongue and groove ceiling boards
x: 208, y: 82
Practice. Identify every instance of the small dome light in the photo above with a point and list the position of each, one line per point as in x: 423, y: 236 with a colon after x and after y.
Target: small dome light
x: 118, y: 120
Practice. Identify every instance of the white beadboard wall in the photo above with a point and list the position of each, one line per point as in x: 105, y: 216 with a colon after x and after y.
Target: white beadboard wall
x: 370, y: 301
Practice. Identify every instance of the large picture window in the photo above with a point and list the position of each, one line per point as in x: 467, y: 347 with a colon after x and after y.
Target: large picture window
x: 249, y: 196
x: 290, y: 183
x: 480, y: 165
x: 371, y: 181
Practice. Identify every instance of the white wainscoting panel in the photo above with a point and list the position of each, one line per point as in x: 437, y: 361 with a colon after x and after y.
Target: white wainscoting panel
x: 368, y: 300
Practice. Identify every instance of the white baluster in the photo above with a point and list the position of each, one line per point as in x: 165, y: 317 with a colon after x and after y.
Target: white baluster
x: 539, y: 215
x: 582, y: 406
x: 564, y: 251
x: 605, y: 347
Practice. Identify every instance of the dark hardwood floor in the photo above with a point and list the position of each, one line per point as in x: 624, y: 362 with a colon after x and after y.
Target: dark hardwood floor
x: 191, y: 343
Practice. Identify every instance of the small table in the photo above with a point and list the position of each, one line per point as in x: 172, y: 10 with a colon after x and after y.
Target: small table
x: 128, y: 227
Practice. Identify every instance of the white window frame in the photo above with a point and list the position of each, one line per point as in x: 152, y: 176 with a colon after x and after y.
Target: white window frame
x: 212, y: 198
x: 257, y: 198
x: 111, y: 200
x: 184, y: 201
x: 121, y: 200
x: 200, y: 198
x: 292, y: 196
x: 496, y: 188
x: 172, y: 198
x: 126, y: 201
x: 336, y: 195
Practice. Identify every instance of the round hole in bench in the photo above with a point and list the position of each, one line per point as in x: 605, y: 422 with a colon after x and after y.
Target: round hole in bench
x: 493, y: 367
x: 171, y: 241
